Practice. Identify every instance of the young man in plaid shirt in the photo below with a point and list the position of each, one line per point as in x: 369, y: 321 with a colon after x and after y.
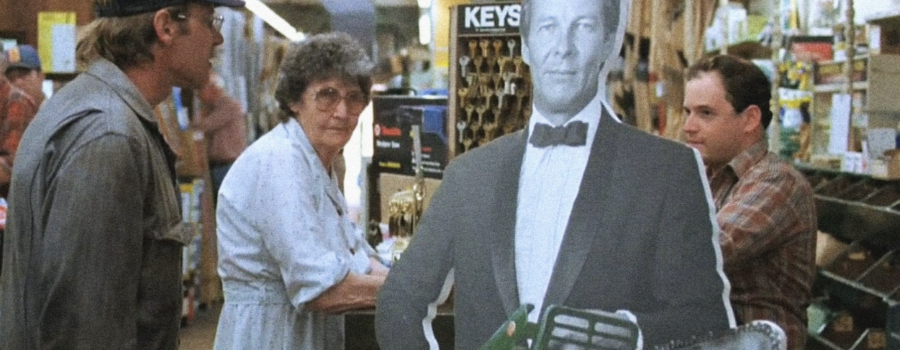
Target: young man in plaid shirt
x: 764, y: 206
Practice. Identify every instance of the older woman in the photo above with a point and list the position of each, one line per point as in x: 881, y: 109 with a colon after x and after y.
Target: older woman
x: 289, y: 257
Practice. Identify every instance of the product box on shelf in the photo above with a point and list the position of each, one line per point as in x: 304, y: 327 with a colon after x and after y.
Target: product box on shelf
x: 853, y: 263
x: 394, y: 150
x: 884, y: 31
x: 887, y: 168
x: 832, y: 72
x: 842, y: 331
x: 812, y: 48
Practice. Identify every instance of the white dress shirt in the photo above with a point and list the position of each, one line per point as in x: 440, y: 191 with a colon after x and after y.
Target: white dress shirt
x: 548, y: 184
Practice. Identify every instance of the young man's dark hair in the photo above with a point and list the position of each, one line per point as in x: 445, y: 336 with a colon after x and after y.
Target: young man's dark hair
x: 745, y: 83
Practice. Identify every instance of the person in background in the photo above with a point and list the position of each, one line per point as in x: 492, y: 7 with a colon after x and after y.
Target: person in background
x: 422, y: 76
x: 17, y: 109
x: 91, y: 256
x: 224, y: 126
x: 765, y: 207
x: 290, y: 258
x: 24, y: 71
x: 576, y: 210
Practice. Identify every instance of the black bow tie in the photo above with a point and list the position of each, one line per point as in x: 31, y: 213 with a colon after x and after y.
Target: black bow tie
x: 572, y: 134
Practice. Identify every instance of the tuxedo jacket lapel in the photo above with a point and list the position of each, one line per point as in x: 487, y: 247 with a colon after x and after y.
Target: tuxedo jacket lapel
x: 581, y: 231
x: 584, y: 225
x: 503, y: 223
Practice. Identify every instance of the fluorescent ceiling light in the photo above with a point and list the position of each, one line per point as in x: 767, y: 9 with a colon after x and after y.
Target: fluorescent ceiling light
x: 274, y: 20
x: 425, y: 29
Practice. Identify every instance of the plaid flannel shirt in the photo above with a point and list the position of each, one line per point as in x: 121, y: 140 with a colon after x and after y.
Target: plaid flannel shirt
x: 767, y: 214
x: 17, y: 109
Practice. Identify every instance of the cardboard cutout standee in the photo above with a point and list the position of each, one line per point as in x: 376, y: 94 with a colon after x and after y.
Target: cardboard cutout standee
x: 619, y: 222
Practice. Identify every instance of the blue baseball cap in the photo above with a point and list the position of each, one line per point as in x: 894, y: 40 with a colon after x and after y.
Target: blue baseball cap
x: 23, y: 56
x: 122, y: 8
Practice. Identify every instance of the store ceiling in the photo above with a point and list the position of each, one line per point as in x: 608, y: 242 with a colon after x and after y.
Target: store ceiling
x: 396, y: 19
x: 312, y: 16
x: 378, y: 3
x: 316, y: 16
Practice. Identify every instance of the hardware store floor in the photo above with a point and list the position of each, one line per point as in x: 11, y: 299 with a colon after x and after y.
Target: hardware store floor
x: 201, y: 332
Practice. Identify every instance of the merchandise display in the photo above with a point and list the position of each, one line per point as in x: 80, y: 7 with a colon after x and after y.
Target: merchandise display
x: 855, y: 262
x: 394, y: 118
x: 842, y: 331
x: 410, y: 153
x: 490, y: 84
x: 859, y: 290
x: 191, y: 213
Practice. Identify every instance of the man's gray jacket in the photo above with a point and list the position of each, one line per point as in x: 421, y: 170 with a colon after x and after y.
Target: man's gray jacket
x: 90, y: 258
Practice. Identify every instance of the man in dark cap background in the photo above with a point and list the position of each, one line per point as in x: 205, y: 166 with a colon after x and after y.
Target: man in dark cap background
x: 16, y: 108
x: 16, y: 111
x: 92, y: 256
x: 20, y: 98
x: 24, y: 71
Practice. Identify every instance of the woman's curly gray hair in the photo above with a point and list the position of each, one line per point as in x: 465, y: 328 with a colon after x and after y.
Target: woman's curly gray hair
x: 320, y: 57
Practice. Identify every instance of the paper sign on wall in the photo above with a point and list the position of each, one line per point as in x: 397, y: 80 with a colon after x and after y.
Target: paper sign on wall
x: 56, y: 41
x: 840, y: 124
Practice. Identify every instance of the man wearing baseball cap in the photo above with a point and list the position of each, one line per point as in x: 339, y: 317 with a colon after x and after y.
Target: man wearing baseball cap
x: 24, y: 71
x: 93, y: 254
x: 17, y: 109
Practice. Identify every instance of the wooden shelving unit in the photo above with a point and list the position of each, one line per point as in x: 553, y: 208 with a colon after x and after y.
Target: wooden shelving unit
x: 201, y: 280
x: 858, y: 293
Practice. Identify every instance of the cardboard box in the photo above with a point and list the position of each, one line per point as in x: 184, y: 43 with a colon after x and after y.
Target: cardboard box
x: 884, y: 29
x: 889, y: 167
x: 832, y: 72
x: 828, y: 249
x: 388, y: 184
x: 883, y: 92
x: 394, y: 117
x: 812, y: 48
x: 191, y: 151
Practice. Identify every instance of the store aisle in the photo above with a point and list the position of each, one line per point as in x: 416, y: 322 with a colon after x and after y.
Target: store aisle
x: 200, y: 334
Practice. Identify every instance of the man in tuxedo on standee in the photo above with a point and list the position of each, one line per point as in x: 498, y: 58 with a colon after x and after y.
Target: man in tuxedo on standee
x: 576, y: 210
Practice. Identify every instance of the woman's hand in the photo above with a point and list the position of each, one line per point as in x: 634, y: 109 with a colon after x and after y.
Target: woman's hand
x: 377, y: 268
x: 353, y: 292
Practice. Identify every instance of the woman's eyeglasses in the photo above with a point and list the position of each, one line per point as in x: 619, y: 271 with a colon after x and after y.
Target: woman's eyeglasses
x: 328, y: 98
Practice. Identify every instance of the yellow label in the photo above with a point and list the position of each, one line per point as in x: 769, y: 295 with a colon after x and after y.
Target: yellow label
x: 389, y: 165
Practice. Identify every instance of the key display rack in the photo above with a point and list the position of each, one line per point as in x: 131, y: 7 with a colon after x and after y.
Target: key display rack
x: 490, y: 84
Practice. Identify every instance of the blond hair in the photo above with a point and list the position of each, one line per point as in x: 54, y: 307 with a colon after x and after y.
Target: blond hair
x: 124, y: 41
